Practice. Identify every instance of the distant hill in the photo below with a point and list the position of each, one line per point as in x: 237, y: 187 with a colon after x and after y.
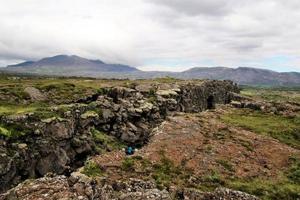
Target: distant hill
x: 68, y: 65
x: 63, y: 65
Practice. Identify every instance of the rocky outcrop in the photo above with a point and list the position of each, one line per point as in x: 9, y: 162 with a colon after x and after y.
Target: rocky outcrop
x: 80, y: 187
x: 34, y: 94
x: 282, y: 108
x: 58, y: 139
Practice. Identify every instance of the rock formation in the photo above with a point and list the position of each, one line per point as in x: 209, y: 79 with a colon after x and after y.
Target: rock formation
x: 59, y: 138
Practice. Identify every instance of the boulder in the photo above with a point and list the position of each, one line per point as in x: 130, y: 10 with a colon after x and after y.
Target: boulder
x: 35, y: 94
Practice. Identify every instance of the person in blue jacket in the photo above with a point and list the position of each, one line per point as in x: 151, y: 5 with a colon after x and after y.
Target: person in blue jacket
x: 129, y: 150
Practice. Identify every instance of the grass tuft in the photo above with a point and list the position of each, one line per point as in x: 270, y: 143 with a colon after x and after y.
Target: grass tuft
x: 128, y: 164
x: 226, y: 164
x: 91, y: 169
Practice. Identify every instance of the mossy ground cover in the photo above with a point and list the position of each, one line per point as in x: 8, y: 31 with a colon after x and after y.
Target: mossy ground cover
x: 38, y: 111
x: 284, y: 129
x: 17, y: 109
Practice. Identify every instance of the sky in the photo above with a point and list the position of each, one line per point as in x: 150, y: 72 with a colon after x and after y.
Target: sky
x: 172, y: 35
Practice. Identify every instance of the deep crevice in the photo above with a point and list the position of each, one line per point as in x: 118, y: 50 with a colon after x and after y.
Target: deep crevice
x: 211, y: 102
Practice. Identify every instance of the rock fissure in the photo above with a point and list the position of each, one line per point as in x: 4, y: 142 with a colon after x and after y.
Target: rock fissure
x: 61, y: 142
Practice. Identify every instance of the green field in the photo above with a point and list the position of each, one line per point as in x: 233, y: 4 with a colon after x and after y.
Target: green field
x: 276, y: 94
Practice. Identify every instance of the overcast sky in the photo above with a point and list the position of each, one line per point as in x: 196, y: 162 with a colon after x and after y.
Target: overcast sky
x: 155, y: 34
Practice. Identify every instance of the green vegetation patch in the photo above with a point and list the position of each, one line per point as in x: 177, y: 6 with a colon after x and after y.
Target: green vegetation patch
x: 106, y: 142
x: 91, y: 169
x: 165, y: 172
x: 293, y: 172
x: 12, y: 131
x: 283, y: 186
x: 13, y: 93
x: 38, y: 110
x: 166, y: 79
x: 18, y: 109
x: 5, y: 132
x: 210, y: 181
x: 43, y: 113
x: 128, y: 164
x: 286, y: 130
x: 89, y: 114
x: 278, y: 94
x: 267, y: 189
x: 65, y: 91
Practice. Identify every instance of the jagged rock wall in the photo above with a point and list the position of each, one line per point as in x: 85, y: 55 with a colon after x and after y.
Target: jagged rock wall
x: 196, y: 98
x: 58, y: 143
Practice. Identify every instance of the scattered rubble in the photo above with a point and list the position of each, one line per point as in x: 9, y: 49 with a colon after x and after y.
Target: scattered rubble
x: 80, y: 187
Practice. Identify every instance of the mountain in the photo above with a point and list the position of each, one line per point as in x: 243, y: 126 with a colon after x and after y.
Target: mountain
x: 244, y: 75
x: 63, y: 65
x: 68, y: 65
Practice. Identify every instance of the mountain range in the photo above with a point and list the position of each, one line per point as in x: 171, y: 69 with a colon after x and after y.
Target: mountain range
x: 64, y: 65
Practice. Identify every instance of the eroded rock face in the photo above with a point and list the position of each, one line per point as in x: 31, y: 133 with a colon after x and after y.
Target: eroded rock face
x: 63, y: 141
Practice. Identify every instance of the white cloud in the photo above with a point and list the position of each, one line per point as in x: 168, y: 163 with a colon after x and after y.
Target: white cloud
x: 225, y: 32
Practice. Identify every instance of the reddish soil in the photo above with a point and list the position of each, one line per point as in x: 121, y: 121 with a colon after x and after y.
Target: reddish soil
x: 203, y: 143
